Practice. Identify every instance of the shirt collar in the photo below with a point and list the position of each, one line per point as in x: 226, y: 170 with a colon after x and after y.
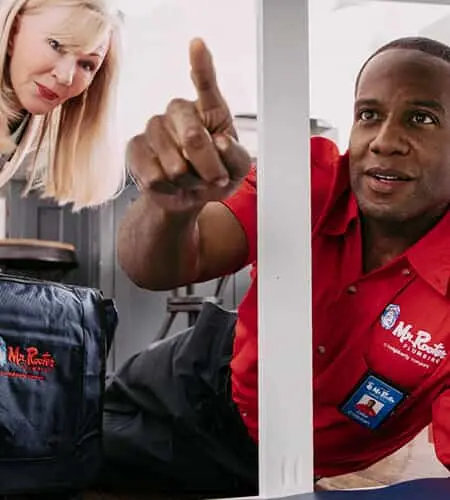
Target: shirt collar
x: 20, y: 130
x: 341, y: 209
x: 16, y: 137
x: 430, y: 256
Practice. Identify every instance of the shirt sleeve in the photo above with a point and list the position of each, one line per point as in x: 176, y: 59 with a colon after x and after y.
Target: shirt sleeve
x: 441, y: 427
x: 243, y: 205
x: 324, y: 161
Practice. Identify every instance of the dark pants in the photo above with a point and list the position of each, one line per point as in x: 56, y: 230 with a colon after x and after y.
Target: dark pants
x: 170, y: 422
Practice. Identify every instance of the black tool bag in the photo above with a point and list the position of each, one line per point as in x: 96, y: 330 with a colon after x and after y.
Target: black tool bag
x: 54, y: 341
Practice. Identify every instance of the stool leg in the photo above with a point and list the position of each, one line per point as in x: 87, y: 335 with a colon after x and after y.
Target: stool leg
x: 221, y: 286
x: 165, y: 327
x: 192, y: 318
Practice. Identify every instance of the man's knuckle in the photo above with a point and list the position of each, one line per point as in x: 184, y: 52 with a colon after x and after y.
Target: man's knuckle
x: 176, y: 104
x: 194, y: 138
x: 155, y: 123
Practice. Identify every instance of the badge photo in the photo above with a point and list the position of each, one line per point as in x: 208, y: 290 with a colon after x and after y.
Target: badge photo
x: 372, y: 401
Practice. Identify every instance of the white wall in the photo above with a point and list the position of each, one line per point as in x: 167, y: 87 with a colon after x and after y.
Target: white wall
x: 341, y: 40
x: 157, y: 66
x: 157, y: 62
x: 440, y: 30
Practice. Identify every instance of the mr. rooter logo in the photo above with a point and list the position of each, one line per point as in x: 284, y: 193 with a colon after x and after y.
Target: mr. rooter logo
x: 24, y: 362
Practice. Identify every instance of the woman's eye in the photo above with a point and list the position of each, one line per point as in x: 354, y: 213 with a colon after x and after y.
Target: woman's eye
x: 54, y: 44
x: 87, y: 66
x: 420, y: 118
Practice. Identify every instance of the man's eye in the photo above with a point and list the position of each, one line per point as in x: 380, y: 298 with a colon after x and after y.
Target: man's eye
x: 367, y: 114
x: 421, y: 118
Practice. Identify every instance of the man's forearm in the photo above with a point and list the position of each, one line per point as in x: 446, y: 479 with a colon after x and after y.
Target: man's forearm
x: 158, y: 250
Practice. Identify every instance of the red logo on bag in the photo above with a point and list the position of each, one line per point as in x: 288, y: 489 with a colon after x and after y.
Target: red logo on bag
x: 31, y: 359
x: 26, y: 362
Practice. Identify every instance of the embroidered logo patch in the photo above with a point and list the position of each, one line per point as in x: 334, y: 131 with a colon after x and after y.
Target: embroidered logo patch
x: 390, y: 316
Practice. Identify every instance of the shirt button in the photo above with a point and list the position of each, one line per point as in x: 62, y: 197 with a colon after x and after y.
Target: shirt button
x: 352, y: 289
x: 406, y: 272
x: 321, y: 349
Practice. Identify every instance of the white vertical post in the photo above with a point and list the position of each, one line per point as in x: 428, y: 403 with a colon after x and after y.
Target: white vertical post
x: 285, y: 339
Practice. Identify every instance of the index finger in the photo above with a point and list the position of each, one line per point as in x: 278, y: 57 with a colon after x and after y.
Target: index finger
x: 203, y: 76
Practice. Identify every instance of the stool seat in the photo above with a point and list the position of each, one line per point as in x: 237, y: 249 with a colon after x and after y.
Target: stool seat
x: 190, y: 303
x: 37, y: 257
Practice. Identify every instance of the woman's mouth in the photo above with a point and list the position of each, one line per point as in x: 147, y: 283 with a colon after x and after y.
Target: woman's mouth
x: 46, y: 93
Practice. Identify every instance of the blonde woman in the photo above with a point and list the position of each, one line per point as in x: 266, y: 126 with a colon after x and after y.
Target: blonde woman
x: 58, y: 75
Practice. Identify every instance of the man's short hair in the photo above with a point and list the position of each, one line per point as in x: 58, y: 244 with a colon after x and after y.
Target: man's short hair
x: 426, y: 45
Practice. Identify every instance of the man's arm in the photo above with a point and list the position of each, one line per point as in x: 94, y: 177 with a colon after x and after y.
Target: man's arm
x: 185, y: 163
x: 441, y: 427
x: 160, y: 250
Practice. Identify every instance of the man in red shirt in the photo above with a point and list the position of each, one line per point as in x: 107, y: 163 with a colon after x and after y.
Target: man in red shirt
x: 380, y: 267
x: 367, y: 408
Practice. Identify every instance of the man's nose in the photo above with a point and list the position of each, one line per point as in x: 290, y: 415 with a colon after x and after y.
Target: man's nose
x: 64, y: 71
x: 390, y: 139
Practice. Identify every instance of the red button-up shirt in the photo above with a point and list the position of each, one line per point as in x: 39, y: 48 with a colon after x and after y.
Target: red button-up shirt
x: 393, y: 322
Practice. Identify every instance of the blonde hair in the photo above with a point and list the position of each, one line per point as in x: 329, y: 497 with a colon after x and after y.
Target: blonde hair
x: 76, y: 154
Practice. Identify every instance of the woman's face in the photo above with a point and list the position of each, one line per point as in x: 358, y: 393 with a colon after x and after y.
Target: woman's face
x: 44, y: 73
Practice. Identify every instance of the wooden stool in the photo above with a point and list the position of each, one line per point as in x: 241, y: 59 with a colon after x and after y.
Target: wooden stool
x: 190, y: 304
x: 50, y: 260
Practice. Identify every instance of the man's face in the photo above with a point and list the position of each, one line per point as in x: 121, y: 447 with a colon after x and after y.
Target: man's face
x: 400, y: 140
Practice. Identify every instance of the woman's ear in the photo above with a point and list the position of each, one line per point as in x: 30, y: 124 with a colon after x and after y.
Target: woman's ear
x: 12, y: 35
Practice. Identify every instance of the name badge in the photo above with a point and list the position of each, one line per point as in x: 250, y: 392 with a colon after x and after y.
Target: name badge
x: 372, y: 402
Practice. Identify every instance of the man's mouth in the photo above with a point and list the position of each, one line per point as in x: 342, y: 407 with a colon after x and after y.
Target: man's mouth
x: 386, y: 181
x: 389, y: 175
x: 382, y: 177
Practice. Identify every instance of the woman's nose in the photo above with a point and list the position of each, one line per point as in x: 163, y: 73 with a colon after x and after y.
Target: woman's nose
x: 64, y: 71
